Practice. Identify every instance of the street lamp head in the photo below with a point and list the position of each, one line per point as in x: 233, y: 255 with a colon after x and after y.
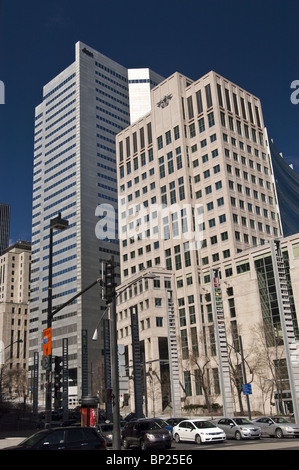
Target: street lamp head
x: 58, y: 223
x: 95, y: 335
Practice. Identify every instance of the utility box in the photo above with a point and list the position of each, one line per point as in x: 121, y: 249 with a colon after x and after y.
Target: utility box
x: 89, y: 411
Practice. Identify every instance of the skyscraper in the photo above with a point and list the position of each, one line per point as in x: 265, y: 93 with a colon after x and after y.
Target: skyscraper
x: 82, y: 110
x: 4, y: 226
x: 195, y: 192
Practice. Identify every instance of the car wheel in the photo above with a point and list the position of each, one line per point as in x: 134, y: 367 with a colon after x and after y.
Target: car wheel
x: 278, y: 433
x: 143, y: 445
x: 126, y: 445
x: 197, y: 439
x: 177, y: 438
x: 238, y: 436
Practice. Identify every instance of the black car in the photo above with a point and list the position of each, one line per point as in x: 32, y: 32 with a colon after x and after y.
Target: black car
x: 63, y: 438
x: 145, y: 434
x: 131, y: 416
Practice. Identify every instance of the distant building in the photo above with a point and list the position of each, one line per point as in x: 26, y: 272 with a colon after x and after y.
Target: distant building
x: 287, y: 186
x: 14, y: 317
x: 4, y: 226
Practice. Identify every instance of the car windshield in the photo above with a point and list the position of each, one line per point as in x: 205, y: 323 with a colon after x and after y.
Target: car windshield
x: 280, y: 420
x: 149, y: 426
x: 203, y: 424
x: 162, y: 423
x: 242, y: 421
x: 32, y: 440
x: 106, y: 427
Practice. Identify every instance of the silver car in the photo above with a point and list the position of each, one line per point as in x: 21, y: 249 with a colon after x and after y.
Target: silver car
x: 239, y: 428
x: 277, y: 426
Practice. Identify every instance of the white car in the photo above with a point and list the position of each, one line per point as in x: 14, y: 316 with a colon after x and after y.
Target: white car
x: 197, y: 430
x: 239, y: 428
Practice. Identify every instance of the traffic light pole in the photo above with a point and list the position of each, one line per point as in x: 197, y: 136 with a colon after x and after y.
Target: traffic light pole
x: 51, y: 313
x: 114, y: 376
x: 110, y: 296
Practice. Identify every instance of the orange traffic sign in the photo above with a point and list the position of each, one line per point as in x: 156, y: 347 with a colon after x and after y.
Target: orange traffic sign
x: 47, y: 342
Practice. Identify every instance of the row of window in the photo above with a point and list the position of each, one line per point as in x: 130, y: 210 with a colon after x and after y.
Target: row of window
x: 229, y: 100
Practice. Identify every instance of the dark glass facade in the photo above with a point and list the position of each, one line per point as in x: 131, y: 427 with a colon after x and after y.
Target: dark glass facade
x: 287, y: 185
x: 4, y: 226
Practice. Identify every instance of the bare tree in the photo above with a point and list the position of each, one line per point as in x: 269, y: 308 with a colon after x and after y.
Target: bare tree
x: 203, y: 378
x: 271, y: 370
x: 13, y: 382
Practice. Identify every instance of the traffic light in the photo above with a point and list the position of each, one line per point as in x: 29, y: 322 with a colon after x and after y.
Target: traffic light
x: 109, y: 395
x: 109, y: 281
x: 58, y: 372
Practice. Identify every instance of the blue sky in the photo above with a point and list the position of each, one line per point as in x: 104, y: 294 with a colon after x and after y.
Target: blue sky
x: 253, y: 43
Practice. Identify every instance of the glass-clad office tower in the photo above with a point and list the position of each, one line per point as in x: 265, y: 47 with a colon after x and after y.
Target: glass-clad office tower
x: 287, y: 185
x: 82, y: 110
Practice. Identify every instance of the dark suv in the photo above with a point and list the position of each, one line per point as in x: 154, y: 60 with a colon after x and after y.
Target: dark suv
x: 145, y: 434
x: 68, y: 438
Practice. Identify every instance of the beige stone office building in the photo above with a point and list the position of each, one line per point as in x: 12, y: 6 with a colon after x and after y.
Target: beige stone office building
x: 14, y: 317
x: 196, y: 192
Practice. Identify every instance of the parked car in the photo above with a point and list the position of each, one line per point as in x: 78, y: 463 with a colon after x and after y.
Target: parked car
x: 162, y: 423
x: 145, y: 434
x: 131, y: 416
x: 63, y: 438
x: 197, y: 430
x: 174, y: 421
x: 277, y: 426
x: 106, y: 429
x: 239, y: 428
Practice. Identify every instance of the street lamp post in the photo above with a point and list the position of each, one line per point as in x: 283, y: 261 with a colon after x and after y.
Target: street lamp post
x: 136, y: 346
x: 55, y: 224
x: 111, y: 296
x: 244, y: 376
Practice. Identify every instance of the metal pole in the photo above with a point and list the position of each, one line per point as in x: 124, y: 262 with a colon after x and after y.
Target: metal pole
x: 244, y: 376
x: 136, y: 361
x: 48, y: 411
x: 114, y: 375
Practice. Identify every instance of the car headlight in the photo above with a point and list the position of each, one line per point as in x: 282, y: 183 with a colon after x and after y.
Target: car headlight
x: 244, y: 429
x: 150, y: 436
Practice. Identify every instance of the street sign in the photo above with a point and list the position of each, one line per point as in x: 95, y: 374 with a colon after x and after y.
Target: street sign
x: 47, y: 342
x: 247, y: 390
x: 46, y: 362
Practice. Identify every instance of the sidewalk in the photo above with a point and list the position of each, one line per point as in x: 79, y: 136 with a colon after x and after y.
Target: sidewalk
x: 10, y: 441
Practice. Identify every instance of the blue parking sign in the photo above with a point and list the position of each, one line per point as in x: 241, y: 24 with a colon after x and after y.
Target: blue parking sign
x: 247, y: 390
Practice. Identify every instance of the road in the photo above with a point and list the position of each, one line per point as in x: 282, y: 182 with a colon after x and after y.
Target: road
x: 265, y: 443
